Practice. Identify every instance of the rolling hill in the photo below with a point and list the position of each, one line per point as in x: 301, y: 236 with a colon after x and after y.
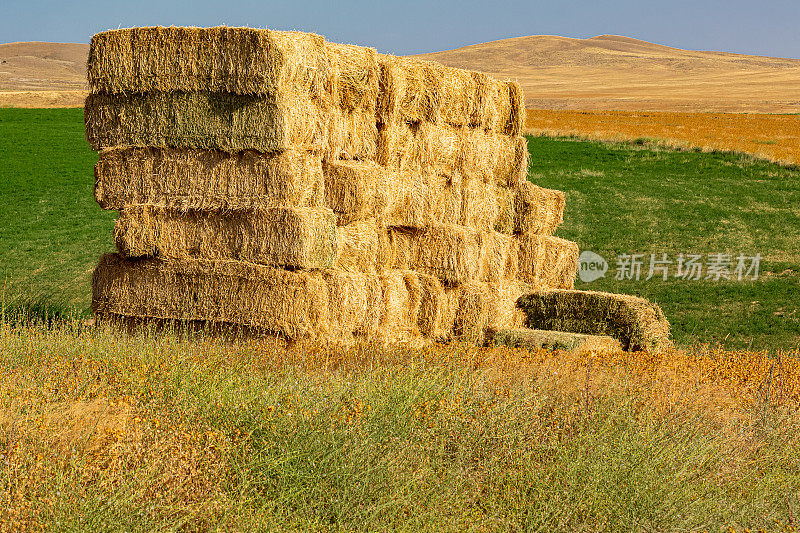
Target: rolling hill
x: 612, y: 72
x: 604, y: 72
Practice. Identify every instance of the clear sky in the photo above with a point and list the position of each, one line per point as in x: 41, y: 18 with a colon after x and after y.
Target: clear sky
x: 766, y: 27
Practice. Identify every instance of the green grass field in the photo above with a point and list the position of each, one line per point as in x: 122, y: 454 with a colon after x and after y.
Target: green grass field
x: 621, y: 198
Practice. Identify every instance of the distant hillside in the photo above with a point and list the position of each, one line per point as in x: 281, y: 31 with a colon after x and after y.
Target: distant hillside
x: 605, y: 72
x: 43, y: 66
x: 613, y: 72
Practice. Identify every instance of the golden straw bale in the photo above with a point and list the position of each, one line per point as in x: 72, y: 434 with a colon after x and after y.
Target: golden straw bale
x: 436, y: 310
x: 292, y: 304
x: 506, y: 198
x: 548, y: 261
x: 507, y: 108
x: 440, y: 148
x: 354, y: 299
x: 404, y: 94
x: 538, y: 211
x: 397, y: 146
x: 358, y: 190
x: 205, y: 120
x: 414, y: 90
x: 487, y: 306
x: 220, y: 59
x: 481, y: 208
x: 355, y: 75
x: 511, y: 166
x: 207, y: 179
x: 362, y: 246
x: 296, y: 237
x: 400, y: 306
x: 637, y: 323
x: 351, y: 135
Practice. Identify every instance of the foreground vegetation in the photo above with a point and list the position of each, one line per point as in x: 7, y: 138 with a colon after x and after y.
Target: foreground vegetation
x: 103, y: 431
x: 621, y: 198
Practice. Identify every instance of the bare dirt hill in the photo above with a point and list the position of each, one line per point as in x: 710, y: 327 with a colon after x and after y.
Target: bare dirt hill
x: 37, y: 74
x: 610, y: 72
x: 607, y: 72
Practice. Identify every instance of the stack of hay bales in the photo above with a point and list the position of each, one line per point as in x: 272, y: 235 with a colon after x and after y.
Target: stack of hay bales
x: 303, y: 188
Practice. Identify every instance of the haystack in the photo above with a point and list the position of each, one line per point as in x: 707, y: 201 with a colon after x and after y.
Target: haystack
x: 303, y: 188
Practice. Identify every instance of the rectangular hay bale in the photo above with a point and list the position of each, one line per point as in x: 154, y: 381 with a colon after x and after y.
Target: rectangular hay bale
x: 207, y: 179
x: 538, y: 211
x: 205, y: 120
x: 637, y: 323
x: 482, y: 307
x: 548, y: 261
x: 294, y: 304
x: 296, y: 237
x: 351, y: 135
x: 327, y: 305
x: 219, y: 59
x: 413, y: 90
x: 355, y: 76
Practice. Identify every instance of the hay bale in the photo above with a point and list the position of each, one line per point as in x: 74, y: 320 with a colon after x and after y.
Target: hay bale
x: 362, y: 246
x: 548, y: 261
x: 291, y: 304
x: 295, y: 237
x: 351, y: 135
x: 637, y: 323
x: 221, y: 59
x: 538, y: 211
x: 327, y: 305
x: 404, y: 94
x: 205, y: 120
x: 537, y: 339
x: 355, y: 75
x: 358, y: 190
x: 413, y: 90
x: 454, y: 254
x: 485, y: 307
x: 507, y: 108
x: 396, y: 145
x: 207, y: 179
x: 480, y: 205
x: 354, y: 298
x: 506, y: 198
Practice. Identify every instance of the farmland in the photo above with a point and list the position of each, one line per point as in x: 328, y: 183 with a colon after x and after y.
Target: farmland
x: 770, y: 137
x: 100, y: 430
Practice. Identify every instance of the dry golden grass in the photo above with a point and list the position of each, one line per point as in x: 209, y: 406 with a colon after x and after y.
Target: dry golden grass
x: 771, y: 137
x: 198, y: 434
x: 611, y: 72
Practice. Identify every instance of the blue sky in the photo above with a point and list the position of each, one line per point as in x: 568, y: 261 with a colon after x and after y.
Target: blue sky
x: 769, y: 27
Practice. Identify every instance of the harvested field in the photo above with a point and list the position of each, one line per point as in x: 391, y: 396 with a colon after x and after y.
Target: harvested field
x: 207, y: 179
x: 774, y: 138
x: 287, y: 237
